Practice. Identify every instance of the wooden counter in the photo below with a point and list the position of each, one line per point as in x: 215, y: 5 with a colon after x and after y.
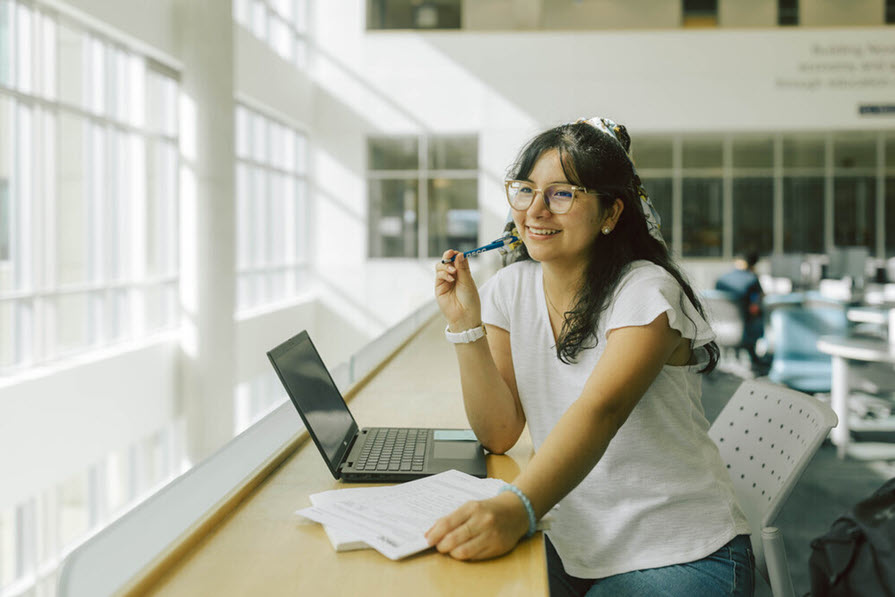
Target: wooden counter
x: 263, y: 548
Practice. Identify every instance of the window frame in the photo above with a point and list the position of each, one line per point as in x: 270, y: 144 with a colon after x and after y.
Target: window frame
x: 423, y: 175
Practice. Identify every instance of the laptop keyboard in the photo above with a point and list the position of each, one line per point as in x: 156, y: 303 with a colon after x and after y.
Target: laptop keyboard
x: 393, y: 450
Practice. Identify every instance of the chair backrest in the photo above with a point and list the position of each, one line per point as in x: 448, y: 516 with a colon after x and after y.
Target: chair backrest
x: 767, y: 435
x: 725, y: 316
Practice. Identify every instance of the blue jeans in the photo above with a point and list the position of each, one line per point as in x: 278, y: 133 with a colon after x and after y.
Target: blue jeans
x: 728, y: 571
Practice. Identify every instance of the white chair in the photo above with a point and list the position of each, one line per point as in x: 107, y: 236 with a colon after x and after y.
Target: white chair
x: 767, y: 435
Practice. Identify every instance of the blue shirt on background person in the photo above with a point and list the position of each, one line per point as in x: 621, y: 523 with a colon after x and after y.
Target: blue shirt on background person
x: 743, y: 283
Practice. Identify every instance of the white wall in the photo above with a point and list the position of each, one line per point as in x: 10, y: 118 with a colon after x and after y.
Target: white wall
x: 56, y: 421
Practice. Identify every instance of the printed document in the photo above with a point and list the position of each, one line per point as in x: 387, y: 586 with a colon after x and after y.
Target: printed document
x: 393, y: 520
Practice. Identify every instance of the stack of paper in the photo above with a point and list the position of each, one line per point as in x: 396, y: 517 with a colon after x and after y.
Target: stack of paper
x: 393, y: 520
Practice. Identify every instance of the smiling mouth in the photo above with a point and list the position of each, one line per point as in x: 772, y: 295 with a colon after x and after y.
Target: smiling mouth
x: 542, y: 231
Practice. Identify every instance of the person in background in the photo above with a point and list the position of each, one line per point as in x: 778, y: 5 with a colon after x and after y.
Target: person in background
x: 594, y: 339
x: 742, y: 282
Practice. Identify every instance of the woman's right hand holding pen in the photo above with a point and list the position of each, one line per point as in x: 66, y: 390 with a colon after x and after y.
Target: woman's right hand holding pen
x: 456, y: 292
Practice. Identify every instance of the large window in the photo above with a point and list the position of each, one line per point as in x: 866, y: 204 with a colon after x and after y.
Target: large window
x: 281, y: 24
x: 271, y: 207
x: 88, y: 251
x: 722, y: 195
x: 787, y: 12
x: 88, y: 191
x: 423, y: 195
x: 414, y: 14
x: 699, y: 13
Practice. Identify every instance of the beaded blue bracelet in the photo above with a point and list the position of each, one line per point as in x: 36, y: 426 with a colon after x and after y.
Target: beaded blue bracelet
x: 532, y: 521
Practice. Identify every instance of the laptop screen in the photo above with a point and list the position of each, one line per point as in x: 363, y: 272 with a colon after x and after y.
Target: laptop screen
x: 315, y: 396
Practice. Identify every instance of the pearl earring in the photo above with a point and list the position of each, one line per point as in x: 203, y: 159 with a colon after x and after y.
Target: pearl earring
x: 606, y: 229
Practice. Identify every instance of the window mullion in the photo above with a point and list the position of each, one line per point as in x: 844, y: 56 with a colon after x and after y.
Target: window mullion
x: 422, y: 210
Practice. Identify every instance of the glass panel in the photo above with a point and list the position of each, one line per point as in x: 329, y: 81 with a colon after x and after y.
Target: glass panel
x: 803, y: 152
x: 24, y: 52
x: 259, y: 19
x: 702, y: 153
x: 5, y: 60
x: 71, y: 205
x: 278, y: 222
x: 71, y: 322
x: 855, y: 150
x: 301, y: 221
x: 73, y: 515
x: 301, y: 53
x: 301, y: 15
x: 803, y: 215
x: 97, y: 76
x: 6, y: 153
x: 453, y: 153
x: 660, y: 194
x: 7, y: 547
x: 288, y: 150
x: 242, y: 132
x: 702, y: 218
x: 48, y: 58
x: 7, y: 340
x: 4, y: 223
x: 393, y: 154
x: 453, y: 215
x: 401, y: 14
x: 169, y: 106
x: 258, y: 237
x: 301, y: 154
x: 117, y: 493
x: 753, y: 214
x: 652, y: 153
x: 283, y: 8
x: 243, y: 216
x: 753, y: 153
x: 281, y: 38
x: 855, y: 208
x: 259, y: 130
x: 72, y: 51
x: 392, y: 218
x: 890, y: 152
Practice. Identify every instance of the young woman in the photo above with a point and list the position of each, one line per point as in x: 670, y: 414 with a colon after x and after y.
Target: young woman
x: 594, y: 339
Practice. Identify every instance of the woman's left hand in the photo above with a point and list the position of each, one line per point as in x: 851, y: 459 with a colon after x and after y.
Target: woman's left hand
x: 481, y: 530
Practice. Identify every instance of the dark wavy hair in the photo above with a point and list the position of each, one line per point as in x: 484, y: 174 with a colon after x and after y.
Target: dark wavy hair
x: 592, y: 159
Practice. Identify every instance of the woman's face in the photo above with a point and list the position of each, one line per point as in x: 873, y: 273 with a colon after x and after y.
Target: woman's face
x: 565, y: 238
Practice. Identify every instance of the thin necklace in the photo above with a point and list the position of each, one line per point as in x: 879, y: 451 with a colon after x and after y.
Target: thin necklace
x: 549, y: 302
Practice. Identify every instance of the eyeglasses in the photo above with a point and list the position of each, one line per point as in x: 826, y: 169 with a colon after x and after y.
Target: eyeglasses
x: 557, y: 197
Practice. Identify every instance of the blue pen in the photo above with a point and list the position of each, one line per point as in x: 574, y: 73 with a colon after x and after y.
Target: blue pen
x: 500, y: 243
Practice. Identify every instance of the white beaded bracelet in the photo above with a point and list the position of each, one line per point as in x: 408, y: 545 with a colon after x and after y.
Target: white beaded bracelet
x: 532, y: 521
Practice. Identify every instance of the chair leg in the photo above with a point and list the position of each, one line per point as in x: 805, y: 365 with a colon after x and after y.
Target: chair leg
x: 775, y: 560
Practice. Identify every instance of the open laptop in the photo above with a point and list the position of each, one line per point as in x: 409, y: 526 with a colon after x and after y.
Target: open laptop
x: 368, y: 454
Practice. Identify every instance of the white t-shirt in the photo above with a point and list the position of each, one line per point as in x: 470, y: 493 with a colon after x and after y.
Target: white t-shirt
x: 660, y: 495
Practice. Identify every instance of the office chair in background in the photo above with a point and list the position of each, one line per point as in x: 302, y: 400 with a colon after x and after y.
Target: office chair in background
x: 797, y: 362
x: 767, y: 435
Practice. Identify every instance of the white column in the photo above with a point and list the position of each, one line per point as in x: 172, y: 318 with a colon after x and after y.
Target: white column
x: 207, y: 228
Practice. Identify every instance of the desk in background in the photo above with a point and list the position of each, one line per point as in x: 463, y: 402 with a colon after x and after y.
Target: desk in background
x: 263, y: 548
x: 843, y: 350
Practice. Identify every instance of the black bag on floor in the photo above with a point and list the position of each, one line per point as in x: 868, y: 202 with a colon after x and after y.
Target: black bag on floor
x: 856, y: 557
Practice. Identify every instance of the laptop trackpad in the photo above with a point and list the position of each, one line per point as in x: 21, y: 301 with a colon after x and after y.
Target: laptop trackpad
x: 455, y: 450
